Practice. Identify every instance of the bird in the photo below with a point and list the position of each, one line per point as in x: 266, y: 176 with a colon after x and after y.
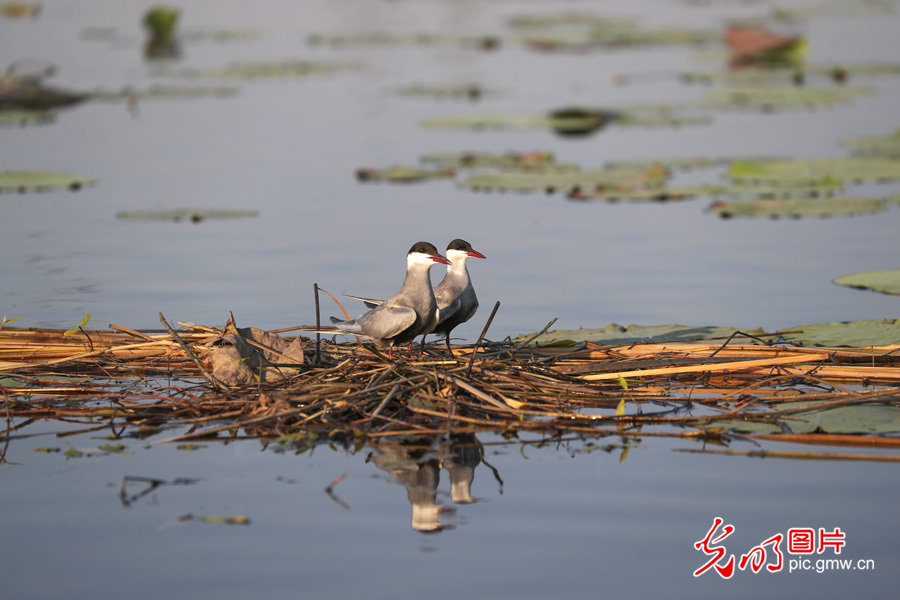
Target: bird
x: 410, y: 312
x: 455, y: 296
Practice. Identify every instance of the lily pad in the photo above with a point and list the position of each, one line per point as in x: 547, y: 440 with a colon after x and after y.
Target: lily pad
x: 796, y: 208
x: 813, y: 171
x: 886, y: 146
x: 834, y: 8
x: 185, y: 214
x: 403, y: 174
x: 572, y: 121
x: 866, y: 419
x: 607, y: 178
x: 378, y: 38
x: 782, y: 98
x: 881, y: 332
x: 40, y: 181
x: 887, y: 281
x: 21, y: 118
x: 467, y: 91
x: 614, y: 334
x: 270, y: 70
x: 510, y: 160
x: 661, y: 194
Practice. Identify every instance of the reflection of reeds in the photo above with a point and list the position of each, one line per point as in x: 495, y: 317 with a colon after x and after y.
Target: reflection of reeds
x: 140, y: 382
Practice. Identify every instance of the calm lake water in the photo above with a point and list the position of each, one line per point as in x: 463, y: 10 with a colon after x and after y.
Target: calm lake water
x: 566, y: 520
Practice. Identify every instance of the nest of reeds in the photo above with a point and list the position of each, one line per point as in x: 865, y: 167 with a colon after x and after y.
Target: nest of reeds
x: 301, y: 392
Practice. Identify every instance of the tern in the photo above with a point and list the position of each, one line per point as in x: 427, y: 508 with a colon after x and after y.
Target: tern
x: 455, y: 295
x: 407, y: 314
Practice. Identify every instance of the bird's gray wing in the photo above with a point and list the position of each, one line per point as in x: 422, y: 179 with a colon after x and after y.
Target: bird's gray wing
x: 448, y: 311
x: 387, y: 321
x: 348, y: 326
x: 369, y: 302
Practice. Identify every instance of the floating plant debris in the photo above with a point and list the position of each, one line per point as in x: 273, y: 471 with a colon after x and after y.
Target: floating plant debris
x: 886, y: 146
x: 270, y: 70
x: 573, y: 121
x: 20, y: 10
x: 783, y: 172
x: 656, y: 194
x: 467, y: 91
x: 781, y: 98
x: 376, y: 38
x: 512, y: 160
x: 404, y: 174
x: 611, y: 179
x: 751, y: 45
x: 41, y: 181
x: 557, y: 383
x: 887, y: 281
x: 834, y: 8
x: 801, y: 207
x: 185, y: 214
x: 21, y: 118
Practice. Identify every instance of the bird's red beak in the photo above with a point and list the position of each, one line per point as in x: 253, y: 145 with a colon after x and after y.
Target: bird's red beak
x: 476, y: 254
x: 439, y: 258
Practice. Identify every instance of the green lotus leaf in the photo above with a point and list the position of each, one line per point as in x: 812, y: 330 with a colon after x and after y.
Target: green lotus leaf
x: 798, y: 207
x: 21, y: 118
x: 376, y: 38
x: 886, y: 146
x: 887, y: 281
x: 814, y: 171
x: 781, y: 98
x: 270, y: 70
x: 608, y: 178
x: 39, y: 181
x: 661, y: 194
x: 469, y: 91
x: 880, y: 332
x: 515, y: 160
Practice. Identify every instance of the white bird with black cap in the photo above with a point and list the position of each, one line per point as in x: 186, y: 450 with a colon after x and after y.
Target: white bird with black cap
x: 410, y: 312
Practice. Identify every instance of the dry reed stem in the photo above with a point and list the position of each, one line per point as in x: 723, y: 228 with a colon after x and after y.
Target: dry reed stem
x: 357, y: 395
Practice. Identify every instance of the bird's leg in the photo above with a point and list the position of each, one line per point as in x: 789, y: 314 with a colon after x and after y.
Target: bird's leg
x: 447, y: 339
x: 423, y: 346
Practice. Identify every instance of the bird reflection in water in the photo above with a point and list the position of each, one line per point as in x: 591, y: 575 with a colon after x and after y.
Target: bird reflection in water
x: 417, y: 466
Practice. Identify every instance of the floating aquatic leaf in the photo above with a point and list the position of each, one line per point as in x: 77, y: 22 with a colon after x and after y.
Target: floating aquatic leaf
x: 40, y: 181
x: 880, y: 332
x: 484, y: 42
x: 887, y: 145
x: 270, y: 70
x: 47, y: 450
x: 186, y: 214
x: 826, y: 186
x: 21, y: 118
x: 786, y: 76
x: 593, y: 34
x: 568, y: 19
x: 114, y: 449
x: 781, y: 98
x: 469, y: 91
x: 751, y: 45
x: 886, y: 281
x: 164, y: 92
x: 799, y: 207
x: 190, y: 447
x: 814, y: 171
x: 404, y: 174
x: 512, y: 160
x: 608, y: 178
x: 661, y: 194
x: 835, y: 8
x: 614, y: 334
